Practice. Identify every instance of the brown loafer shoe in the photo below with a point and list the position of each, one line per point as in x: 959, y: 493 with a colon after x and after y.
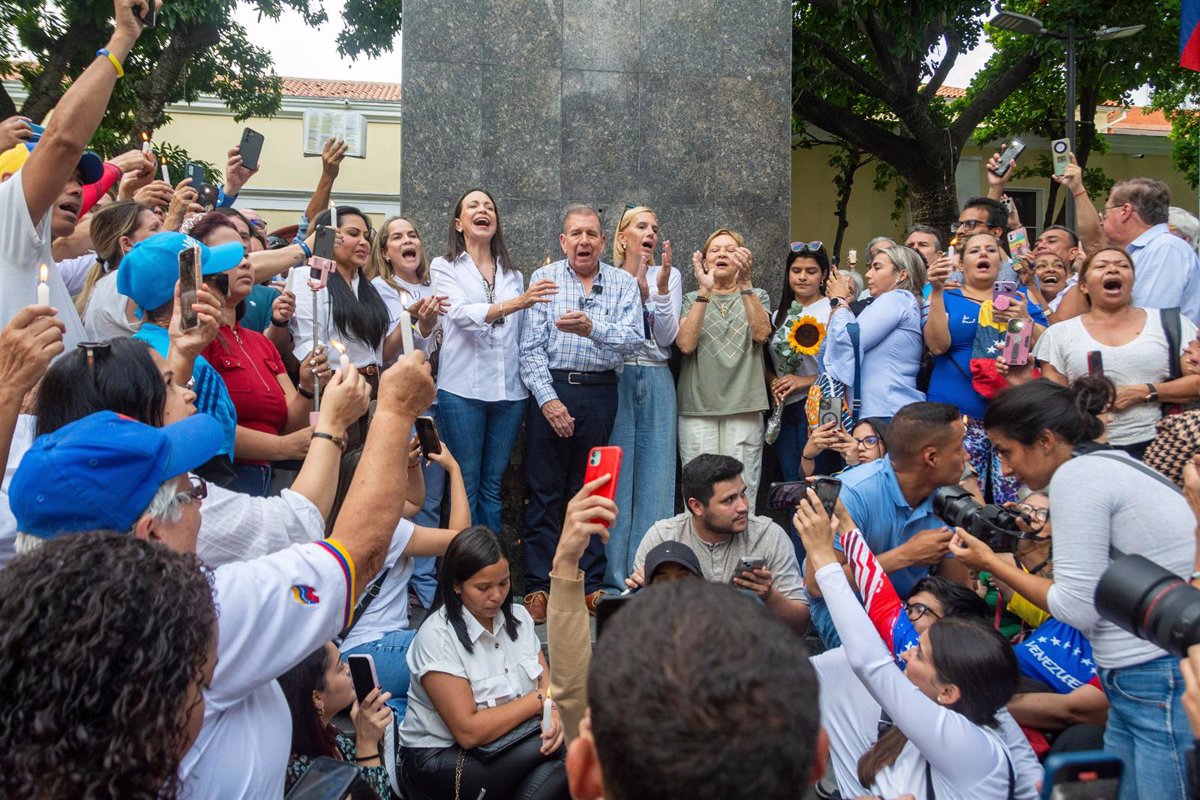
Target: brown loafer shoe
x: 535, y: 604
x: 591, y: 601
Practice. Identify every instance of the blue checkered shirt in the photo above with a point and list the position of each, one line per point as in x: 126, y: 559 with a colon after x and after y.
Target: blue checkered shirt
x: 615, y: 308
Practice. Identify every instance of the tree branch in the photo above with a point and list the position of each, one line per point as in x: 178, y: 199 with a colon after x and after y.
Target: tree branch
x: 49, y: 86
x: 859, y: 131
x: 184, y: 44
x: 991, y: 96
x: 953, y: 46
x: 867, y: 82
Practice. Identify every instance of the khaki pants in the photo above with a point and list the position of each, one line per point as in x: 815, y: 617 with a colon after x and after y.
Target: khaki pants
x: 736, y: 435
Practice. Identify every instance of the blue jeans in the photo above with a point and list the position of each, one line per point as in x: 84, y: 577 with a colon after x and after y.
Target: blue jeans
x: 424, y: 577
x: 391, y: 665
x: 822, y: 622
x: 1148, y: 729
x: 253, y: 479
x: 481, y: 435
x: 645, y: 432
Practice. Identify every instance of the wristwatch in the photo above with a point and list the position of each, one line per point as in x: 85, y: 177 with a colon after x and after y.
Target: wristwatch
x: 835, y: 302
x: 1152, y: 397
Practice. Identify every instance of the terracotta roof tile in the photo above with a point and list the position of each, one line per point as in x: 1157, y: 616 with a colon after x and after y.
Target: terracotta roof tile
x: 348, y: 90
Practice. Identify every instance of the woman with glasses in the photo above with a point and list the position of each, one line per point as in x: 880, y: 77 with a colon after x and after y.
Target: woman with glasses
x: 866, y: 443
x: 724, y: 327
x: 799, y: 329
x: 887, y: 354
x: 644, y: 427
x: 957, y: 310
x: 1133, y: 345
x: 481, y: 399
x: 1060, y: 701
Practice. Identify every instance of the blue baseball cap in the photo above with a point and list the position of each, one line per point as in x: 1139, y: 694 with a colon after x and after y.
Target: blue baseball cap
x: 12, y: 159
x: 148, y: 273
x: 102, y: 471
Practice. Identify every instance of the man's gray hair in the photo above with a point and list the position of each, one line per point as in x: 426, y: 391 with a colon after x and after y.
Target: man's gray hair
x: 580, y: 210
x: 1150, y: 198
x: 165, y: 505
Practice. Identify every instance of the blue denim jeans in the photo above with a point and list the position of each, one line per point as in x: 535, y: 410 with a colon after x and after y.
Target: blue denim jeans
x: 424, y: 577
x: 481, y: 435
x: 822, y: 622
x: 1148, y: 729
x: 391, y: 665
x: 253, y: 479
x: 645, y: 432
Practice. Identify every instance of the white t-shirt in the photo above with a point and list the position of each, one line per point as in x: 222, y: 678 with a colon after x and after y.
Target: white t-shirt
x: 74, y: 271
x: 24, y: 247
x: 389, y: 610
x: 806, y: 365
x: 499, y: 670
x: 272, y: 612
x: 663, y: 311
x: 1065, y: 347
x: 106, y: 314
x: 22, y: 440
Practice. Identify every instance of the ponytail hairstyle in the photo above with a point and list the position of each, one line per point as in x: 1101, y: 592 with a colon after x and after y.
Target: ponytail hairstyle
x: 975, y: 658
x: 364, y: 318
x: 626, y: 220
x: 1070, y: 413
x: 109, y: 225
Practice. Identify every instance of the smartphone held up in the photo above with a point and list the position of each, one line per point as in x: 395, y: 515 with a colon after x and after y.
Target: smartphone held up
x: 604, y: 461
x: 189, y: 284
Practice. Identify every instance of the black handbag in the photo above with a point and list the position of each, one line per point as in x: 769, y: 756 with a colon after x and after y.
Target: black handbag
x: 498, y: 747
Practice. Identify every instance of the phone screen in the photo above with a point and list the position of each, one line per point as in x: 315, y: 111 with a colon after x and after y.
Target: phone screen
x: 427, y: 435
x: 189, y: 282
x: 362, y: 672
x: 1095, y: 360
x: 323, y: 247
x: 325, y: 779
x: 828, y: 490
x: 786, y: 494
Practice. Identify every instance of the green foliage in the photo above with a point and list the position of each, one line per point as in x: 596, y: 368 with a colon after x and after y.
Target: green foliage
x: 1179, y: 102
x: 176, y: 158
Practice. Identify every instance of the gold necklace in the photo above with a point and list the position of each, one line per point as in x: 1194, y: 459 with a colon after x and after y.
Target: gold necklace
x: 724, y: 308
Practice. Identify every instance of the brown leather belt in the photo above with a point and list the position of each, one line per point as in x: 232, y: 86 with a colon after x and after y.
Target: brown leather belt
x: 369, y: 371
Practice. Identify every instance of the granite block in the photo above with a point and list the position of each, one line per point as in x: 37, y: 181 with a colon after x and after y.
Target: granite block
x: 442, y: 31
x: 755, y: 44
x: 531, y: 229
x: 522, y: 32
x: 602, y: 35
x: 680, y: 141
x: 753, y: 161
x: 600, y: 136
x: 684, y: 36
x: 521, y: 136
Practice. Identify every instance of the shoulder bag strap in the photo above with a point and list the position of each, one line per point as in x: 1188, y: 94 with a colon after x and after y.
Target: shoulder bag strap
x: 856, y: 402
x: 368, y: 596
x: 1172, y: 330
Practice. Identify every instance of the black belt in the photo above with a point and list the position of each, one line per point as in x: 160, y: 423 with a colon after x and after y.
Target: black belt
x: 584, y: 378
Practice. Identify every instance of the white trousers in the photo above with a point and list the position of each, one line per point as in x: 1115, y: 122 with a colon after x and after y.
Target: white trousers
x: 737, y: 435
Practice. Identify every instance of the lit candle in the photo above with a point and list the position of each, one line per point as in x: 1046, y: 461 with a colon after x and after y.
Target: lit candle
x: 406, y: 334
x: 333, y: 215
x: 546, y: 263
x: 343, y: 359
x: 43, y: 288
x: 546, y: 721
x: 950, y: 250
x: 146, y: 148
x: 166, y: 175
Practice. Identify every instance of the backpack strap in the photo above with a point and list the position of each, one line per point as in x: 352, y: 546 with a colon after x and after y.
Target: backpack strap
x: 1169, y: 317
x: 368, y: 596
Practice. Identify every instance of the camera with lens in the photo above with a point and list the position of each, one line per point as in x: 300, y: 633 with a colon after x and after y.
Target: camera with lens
x: 991, y: 524
x: 1150, y: 602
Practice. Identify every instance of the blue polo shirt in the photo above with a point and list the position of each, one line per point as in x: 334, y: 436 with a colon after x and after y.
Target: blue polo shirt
x: 212, y: 397
x: 872, y: 495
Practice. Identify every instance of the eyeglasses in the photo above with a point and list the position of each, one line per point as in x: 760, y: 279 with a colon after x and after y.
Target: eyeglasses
x: 917, y: 610
x: 966, y: 226
x: 1107, y: 209
x: 806, y: 247
x: 867, y: 441
x: 198, y: 492
x: 1033, y: 513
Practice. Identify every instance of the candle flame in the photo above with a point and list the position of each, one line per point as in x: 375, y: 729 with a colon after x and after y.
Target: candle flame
x: 145, y: 136
x: 954, y: 242
x: 341, y: 348
x: 44, y: 272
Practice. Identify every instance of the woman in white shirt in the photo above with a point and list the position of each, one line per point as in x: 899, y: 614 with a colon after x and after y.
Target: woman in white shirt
x: 945, y: 738
x: 115, y: 229
x: 645, y: 424
x: 480, y: 399
x: 1132, y: 344
x: 479, y: 681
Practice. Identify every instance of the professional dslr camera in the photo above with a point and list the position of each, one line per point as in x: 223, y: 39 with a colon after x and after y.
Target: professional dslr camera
x: 1150, y: 602
x: 995, y: 526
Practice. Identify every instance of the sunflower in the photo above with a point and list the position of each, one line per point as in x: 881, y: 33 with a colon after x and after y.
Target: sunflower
x: 805, y: 335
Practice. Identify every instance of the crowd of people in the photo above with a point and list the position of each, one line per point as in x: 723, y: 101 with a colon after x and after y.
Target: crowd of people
x: 217, y: 495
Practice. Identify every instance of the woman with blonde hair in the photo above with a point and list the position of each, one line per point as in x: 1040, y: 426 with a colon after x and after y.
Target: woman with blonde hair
x: 115, y: 229
x: 399, y: 271
x: 645, y: 425
x: 721, y: 390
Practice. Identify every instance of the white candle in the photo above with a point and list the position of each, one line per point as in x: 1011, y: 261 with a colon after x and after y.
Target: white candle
x: 406, y: 334
x: 166, y: 175
x: 146, y: 143
x: 546, y: 722
x: 343, y: 360
x: 333, y: 215
x: 43, y: 288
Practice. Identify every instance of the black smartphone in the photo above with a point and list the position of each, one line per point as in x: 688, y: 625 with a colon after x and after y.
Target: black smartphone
x: 325, y: 779
x: 1095, y: 362
x: 189, y: 282
x: 362, y: 672
x: 196, y: 172
x: 326, y: 239
x: 427, y: 435
x: 827, y: 490
x: 250, y: 148
x: 149, y: 17
x: 748, y: 563
x: 786, y: 494
x: 1010, y: 154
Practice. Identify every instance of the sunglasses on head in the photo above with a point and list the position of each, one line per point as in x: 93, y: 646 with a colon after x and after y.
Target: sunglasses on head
x: 806, y: 247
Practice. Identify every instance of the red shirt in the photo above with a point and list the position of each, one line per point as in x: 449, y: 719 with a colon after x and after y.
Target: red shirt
x: 249, y: 364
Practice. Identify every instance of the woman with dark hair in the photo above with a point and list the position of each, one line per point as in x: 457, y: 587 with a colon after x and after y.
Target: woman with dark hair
x: 799, y: 322
x: 1134, y: 346
x: 272, y: 416
x: 1102, y: 501
x: 956, y: 314
x: 318, y: 689
x: 865, y: 443
x: 115, y: 229
x: 113, y: 714
x: 480, y: 682
x: 481, y: 399
x: 644, y: 427
x: 942, y: 701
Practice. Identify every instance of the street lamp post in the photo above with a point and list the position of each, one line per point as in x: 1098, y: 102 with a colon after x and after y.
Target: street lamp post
x: 1032, y: 26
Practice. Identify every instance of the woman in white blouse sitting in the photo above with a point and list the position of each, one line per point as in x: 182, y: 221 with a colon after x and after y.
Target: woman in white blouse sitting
x: 479, y: 684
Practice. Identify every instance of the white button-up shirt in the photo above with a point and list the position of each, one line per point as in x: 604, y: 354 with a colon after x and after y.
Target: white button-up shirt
x: 1166, y: 272
x: 499, y: 669
x: 362, y: 354
x: 478, y: 360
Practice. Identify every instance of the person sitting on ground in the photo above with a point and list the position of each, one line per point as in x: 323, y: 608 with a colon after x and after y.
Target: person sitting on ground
x: 866, y: 443
x: 318, y: 689
x: 697, y: 692
x: 719, y: 524
x: 480, y: 681
x: 112, y: 714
